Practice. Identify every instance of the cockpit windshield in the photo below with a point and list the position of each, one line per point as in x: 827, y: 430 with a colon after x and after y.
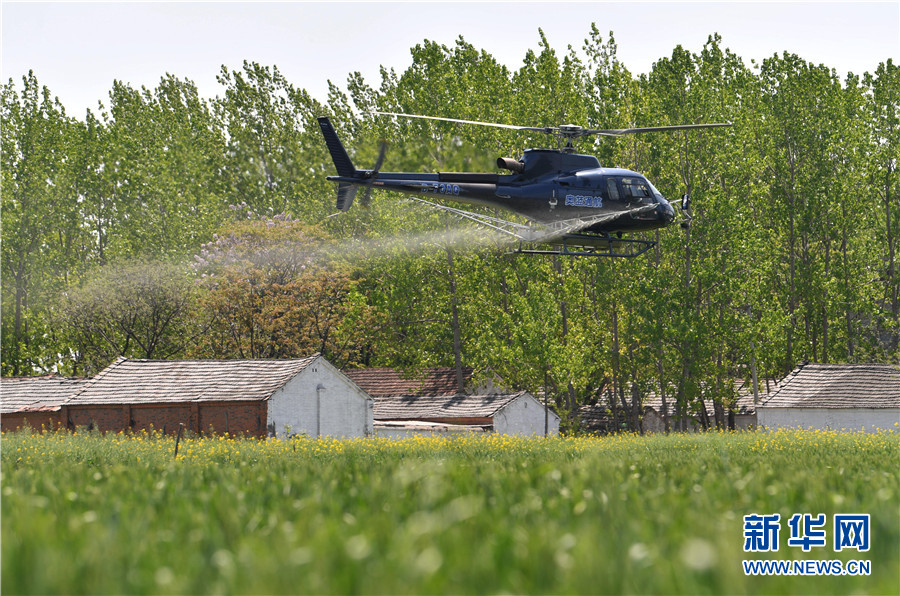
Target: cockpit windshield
x: 636, y: 188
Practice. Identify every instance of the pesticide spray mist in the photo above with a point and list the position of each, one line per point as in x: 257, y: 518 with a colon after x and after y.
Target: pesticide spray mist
x: 457, y: 238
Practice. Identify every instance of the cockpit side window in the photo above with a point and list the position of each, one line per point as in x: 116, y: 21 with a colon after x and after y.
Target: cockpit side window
x: 612, y: 189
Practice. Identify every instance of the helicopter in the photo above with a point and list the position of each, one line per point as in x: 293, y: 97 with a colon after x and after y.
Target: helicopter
x: 571, y: 203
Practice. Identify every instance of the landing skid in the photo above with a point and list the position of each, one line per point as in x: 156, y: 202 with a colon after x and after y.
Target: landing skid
x: 627, y: 248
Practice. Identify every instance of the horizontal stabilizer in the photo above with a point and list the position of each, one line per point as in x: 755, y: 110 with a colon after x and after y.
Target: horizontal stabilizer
x: 345, y: 196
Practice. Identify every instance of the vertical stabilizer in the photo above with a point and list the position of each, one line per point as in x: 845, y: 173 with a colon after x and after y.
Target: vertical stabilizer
x: 338, y: 154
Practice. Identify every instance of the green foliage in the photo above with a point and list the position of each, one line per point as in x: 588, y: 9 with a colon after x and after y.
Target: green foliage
x: 85, y: 513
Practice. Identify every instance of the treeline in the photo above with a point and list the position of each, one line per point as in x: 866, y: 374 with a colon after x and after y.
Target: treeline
x: 166, y: 225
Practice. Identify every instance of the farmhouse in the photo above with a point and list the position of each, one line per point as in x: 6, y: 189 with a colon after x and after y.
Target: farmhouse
x: 837, y: 397
x: 34, y: 401
x: 430, y: 405
x: 254, y: 397
x: 508, y: 413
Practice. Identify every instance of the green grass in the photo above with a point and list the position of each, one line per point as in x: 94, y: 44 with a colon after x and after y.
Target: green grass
x: 109, y: 514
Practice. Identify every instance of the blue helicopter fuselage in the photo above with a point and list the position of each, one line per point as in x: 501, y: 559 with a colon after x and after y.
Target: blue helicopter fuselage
x: 548, y: 186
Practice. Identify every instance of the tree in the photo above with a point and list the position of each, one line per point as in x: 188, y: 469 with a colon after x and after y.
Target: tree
x: 884, y: 109
x: 270, y: 289
x: 270, y: 160
x: 136, y: 309
x: 36, y: 207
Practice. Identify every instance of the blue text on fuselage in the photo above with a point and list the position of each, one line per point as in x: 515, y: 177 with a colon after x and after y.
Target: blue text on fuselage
x: 584, y: 201
x: 439, y: 188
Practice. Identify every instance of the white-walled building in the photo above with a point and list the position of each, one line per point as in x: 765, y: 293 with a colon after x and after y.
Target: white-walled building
x: 507, y: 413
x: 430, y: 405
x: 849, y: 397
x: 320, y: 401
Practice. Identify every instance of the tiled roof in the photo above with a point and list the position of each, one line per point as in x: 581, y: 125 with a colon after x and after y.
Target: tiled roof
x: 410, y: 407
x: 128, y: 381
x: 839, y: 386
x: 654, y: 401
x: 744, y: 402
x: 29, y: 394
x: 596, y: 418
x: 387, y: 382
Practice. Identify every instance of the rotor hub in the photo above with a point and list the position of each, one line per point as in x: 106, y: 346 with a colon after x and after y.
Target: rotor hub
x: 570, y: 130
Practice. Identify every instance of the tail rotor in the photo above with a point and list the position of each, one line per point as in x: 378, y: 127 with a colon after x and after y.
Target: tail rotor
x: 366, y: 198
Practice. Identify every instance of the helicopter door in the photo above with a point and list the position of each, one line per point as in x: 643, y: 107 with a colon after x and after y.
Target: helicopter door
x: 612, y: 189
x: 579, y: 191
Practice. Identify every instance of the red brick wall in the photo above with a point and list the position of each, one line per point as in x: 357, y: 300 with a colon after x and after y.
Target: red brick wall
x: 247, y: 418
x: 103, y: 418
x: 242, y: 417
x: 36, y: 420
x: 236, y: 418
x: 161, y: 417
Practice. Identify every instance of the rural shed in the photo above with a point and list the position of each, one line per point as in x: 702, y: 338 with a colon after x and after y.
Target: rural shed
x: 506, y: 413
x: 35, y: 401
x: 255, y: 397
x: 836, y: 397
x: 402, y: 404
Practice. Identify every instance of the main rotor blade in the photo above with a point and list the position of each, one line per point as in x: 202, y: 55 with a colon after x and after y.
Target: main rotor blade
x: 545, y: 129
x: 629, y: 131
x: 567, y: 131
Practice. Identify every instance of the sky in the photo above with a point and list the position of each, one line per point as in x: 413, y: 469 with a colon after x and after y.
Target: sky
x: 77, y: 49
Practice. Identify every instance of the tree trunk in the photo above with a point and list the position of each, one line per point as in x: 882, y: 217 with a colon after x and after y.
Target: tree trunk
x: 848, y: 317
x: 457, y: 341
x: 825, y: 300
x: 659, y: 358
x: 792, y: 241
x: 893, y: 287
x: 571, y: 402
x: 662, y: 388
